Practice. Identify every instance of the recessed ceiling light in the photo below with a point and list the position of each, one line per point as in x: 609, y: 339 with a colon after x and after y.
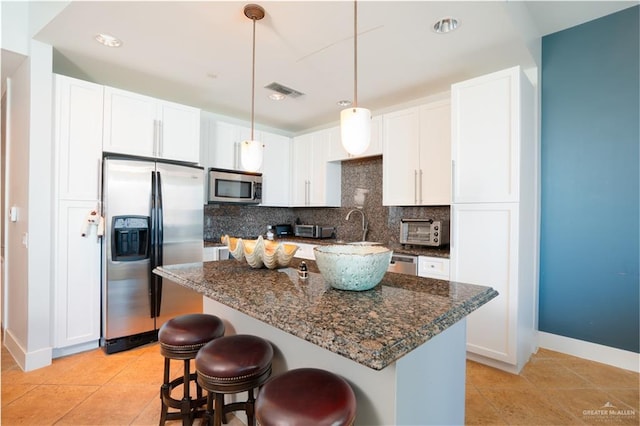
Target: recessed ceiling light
x: 276, y: 96
x: 344, y: 103
x: 108, y: 40
x: 446, y: 25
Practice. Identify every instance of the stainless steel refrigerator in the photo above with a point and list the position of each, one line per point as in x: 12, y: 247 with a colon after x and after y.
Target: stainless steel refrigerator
x: 153, y: 215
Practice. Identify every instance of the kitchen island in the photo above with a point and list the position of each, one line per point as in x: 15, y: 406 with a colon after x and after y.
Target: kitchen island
x: 400, y: 345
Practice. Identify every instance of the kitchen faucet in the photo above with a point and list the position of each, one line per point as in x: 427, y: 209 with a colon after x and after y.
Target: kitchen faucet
x: 364, y: 222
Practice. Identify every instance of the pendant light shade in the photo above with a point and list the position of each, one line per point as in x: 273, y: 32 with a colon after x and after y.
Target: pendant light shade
x: 251, y: 150
x: 355, y: 122
x: 355, y: 130
x: 251, y: 155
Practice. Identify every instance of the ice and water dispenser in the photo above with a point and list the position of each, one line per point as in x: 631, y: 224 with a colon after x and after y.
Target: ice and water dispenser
x: 131, y: 238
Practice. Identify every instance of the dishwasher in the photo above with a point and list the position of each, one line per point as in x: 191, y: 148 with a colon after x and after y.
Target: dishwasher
x: 404, y: 264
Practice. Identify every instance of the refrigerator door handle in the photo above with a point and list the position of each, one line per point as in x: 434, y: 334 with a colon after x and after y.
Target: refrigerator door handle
x: 160, y: 242
x: 153, y: 259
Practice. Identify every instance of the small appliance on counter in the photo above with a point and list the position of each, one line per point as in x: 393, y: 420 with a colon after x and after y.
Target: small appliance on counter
x: 315, y: 231
x: 424, y: 232
x: 283, y: 230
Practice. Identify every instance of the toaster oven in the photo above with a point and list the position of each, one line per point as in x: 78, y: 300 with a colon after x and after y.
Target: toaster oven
x: 424, y: 232
x: 314, y: 231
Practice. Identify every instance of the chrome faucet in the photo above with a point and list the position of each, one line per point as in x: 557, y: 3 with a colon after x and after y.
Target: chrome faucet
x: 364, y: 222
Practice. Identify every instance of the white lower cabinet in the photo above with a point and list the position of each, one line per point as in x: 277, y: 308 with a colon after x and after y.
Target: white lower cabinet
x: 210, y: 254
x: 77, y: 279
x: 305, y: 251
x: 433, y: 267
x: 487, y: 250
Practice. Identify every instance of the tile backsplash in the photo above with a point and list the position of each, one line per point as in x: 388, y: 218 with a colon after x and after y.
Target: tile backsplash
x: 358, y: 176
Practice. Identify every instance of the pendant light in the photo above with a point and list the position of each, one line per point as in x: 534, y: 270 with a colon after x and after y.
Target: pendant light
x: 355, y: 122
x: 251, y: 150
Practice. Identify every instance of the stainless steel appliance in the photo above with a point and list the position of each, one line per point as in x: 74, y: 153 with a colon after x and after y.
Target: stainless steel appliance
x: 283, y: 230
x: 153, y: 216
x: 403, y: 264
x: 424, y: 232
x: 315, y: 231
x: 232, y: 186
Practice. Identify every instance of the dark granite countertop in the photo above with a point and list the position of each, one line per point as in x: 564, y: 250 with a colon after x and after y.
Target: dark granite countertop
x: 374, y: 327
x: 397, y: 248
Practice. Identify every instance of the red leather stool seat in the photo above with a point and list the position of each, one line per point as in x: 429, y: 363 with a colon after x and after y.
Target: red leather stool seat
x: 306, y: 396
x: 180, y: 338
x: 233, y: 364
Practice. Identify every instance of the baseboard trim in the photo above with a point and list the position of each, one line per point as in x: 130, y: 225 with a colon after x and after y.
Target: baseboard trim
x: 72, y: 350
x: 592, y: 351
x: 27, y: 361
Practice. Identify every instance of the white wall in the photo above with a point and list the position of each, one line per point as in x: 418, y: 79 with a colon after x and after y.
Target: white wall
x: 29, y: 188
x: 17, y: 182
x: 15, y: 26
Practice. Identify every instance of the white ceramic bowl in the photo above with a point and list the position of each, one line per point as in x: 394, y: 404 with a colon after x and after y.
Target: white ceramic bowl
x: 259, y: 253
x: 352, y: 267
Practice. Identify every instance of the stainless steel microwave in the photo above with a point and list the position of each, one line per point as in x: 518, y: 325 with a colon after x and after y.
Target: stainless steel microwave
x: 232, y: 186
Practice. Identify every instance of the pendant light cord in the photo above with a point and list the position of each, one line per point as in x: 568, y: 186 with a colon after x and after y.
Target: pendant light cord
x: 253, y: 76
x: 355, y: 54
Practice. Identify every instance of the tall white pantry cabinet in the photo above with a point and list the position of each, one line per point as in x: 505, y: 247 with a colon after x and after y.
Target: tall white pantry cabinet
x: 494, y: 212
x: 78, y: 155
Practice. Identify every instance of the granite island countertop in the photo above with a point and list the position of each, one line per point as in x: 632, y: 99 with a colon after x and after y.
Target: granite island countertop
x: 398, y: 248
x: 374, y: 327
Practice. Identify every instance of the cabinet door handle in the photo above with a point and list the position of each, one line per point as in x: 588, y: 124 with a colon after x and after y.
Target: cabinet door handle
x: 420, y: 191
x: 453, y: 180
x: 415, y: 186
x: 236, y: 155
x: 160, y: 139
x: 100, y: 183
x: 155, y: 138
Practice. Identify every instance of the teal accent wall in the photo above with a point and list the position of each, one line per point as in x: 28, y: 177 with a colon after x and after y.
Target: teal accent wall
x: 589, y: 248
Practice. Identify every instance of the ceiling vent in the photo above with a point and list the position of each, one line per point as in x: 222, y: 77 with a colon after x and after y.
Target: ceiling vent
x: 287, y: 91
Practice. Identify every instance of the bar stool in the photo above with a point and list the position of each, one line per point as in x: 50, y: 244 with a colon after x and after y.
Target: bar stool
x: 306, y: 396
x: 230, y: 365
x: 180, y: 338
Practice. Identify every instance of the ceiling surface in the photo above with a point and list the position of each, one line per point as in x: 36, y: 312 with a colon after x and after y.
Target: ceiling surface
x: 200, y: 53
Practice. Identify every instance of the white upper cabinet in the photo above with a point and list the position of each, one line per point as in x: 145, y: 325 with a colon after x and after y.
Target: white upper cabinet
x: 337, y: 151
x: 78, y: 138
x: 179, y: 132
x: 314, y: 180
x: 276, y: 172
x: 416, y: 156
x: 400, y: 158
x: 220, y: 148
x: 485, y: 138
x: 140, y: 125
x: 224, y: 145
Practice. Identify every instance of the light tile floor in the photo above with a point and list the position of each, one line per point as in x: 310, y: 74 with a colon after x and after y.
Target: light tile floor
x: 123, y: 389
